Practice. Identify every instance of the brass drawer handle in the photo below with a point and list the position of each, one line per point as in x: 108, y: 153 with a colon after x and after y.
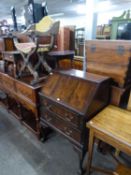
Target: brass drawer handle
x: 45, y: 103
x: 48, y: 118
x: 66, y: 114
x: 49, y: 107
x: 65, y: 128
x: 70, y: 118
x: 69, y: 132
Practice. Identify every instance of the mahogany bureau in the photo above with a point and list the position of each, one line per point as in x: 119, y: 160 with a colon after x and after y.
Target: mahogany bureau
x: 69, y: 99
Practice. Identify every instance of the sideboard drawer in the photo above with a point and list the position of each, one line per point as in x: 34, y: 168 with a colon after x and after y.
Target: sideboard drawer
x: 8, y: 83
x: 24, y: 90
x: 61, y: 125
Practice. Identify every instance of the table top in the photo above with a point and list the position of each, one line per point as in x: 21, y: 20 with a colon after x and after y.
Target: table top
x: 114, y: 122
x: 61, y: 53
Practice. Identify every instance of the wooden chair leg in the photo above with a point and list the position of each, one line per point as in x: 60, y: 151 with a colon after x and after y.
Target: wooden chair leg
x: 117, y: 152
x: 90, y: 151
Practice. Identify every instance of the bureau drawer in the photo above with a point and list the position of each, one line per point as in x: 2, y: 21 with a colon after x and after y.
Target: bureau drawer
x: 62, y: 126
x: 62, y: 113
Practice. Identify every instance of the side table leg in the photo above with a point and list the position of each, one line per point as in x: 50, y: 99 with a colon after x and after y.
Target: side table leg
x: 90, y: 151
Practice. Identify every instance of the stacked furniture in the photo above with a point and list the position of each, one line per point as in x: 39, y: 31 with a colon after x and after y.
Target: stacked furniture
x: 66, y: 100
x: 23, y: 63
x: 113, y: 59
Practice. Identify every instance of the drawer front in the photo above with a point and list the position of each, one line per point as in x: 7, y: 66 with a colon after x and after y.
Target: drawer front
x: 61, y: 125
x: 28, y: 105
x: 62, y: 113
x: 8, y: 83
x: 24, y: 91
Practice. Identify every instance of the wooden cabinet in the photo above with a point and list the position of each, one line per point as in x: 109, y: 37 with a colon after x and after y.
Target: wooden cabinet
x: 66, y: 64
x: 22, y: 100
x: 69, y: 99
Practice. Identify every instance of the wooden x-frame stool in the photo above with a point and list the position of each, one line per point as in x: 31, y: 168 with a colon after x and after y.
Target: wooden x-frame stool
x: 27, y: 49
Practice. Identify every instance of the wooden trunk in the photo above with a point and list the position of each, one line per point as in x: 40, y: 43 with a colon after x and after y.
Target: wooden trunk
x: 113, y: 59
x: 110, y: 58
x: 69, y: 99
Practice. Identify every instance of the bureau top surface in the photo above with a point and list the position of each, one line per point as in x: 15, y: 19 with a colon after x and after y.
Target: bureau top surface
x: 84, y: 75
x: 71, y: 90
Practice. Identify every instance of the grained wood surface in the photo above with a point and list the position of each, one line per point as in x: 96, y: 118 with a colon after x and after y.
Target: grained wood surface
x: 122, y: 170
x: 65, y: 64
x: 113, y: 125
x: 67, y: 90
x: 24, y: 100
x: 111, y: 58
x: 129, y: 103
x: 74, y: 91
x: 85, y: 75
x: 70, y: 98
x: 119, y: 96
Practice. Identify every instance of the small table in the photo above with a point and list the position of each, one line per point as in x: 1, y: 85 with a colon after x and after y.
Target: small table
x: 11, y: 57
x: 61, y: 55
x: 113, y: 126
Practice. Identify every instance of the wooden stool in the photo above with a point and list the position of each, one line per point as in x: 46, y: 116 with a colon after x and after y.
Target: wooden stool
x: 113, y: 126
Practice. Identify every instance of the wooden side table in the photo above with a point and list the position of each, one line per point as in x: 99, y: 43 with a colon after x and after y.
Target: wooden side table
x: 113, y: 126
x: 61, y: 55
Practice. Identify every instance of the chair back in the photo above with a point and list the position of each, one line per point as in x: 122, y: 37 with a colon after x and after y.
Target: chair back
x: 44, y: 24
x: 55, y: 28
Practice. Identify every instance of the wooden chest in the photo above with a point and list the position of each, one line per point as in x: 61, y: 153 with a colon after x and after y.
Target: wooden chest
x: 110, y: 58
x: 113, y: 59
x: 70, y: 98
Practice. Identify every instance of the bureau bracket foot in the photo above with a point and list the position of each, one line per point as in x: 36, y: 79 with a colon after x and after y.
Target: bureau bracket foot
x: 45, y: 133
